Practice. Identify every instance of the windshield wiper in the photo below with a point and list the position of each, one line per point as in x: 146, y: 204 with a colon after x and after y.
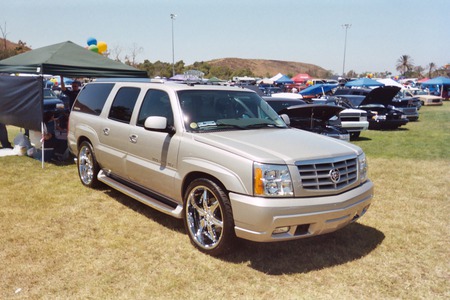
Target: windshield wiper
x: 263, y: 124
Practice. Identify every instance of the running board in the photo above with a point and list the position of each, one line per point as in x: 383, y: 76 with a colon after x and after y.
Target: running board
x: 145, y: 199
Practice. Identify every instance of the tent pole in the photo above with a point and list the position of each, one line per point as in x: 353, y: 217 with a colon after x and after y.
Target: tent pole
x: 42, y: 143
x: 42, y: 123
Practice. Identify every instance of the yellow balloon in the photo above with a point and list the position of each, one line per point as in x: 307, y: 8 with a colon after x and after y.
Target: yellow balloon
x: 102, y: 47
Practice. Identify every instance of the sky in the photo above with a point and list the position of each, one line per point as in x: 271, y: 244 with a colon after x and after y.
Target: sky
x: 310, y: 31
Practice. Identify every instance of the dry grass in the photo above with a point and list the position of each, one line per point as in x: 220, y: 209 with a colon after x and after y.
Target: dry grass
x: 62, y: 241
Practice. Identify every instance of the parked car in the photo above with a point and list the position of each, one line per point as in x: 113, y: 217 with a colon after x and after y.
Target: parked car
x: 381, y: 114
x: 321, y: 119
x: 353, y: 120
x: 220, y: 158
x: 52, y: 102
x: 408, y: 105
x: 426, y: 98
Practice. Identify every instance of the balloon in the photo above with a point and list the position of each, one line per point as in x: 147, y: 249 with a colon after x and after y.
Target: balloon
x: 102, y: 46
x: 91, y: 41
x: 93, y: 48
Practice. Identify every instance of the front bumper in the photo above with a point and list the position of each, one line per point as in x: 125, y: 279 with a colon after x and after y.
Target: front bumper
x: 355, y: 126
x: 256, y: 219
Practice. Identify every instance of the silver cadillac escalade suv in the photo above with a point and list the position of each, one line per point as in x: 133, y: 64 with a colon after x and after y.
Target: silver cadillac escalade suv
x: 219, y: 158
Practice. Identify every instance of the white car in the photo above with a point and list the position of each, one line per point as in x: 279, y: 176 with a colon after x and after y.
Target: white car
x: 353, y: 120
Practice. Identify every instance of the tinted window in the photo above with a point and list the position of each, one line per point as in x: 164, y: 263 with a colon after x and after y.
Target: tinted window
x: 156, y: 103
x: 92, y: 98
x: 123, y: 104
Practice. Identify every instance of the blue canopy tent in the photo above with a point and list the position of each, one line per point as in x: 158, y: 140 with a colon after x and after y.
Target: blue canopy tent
x: 284, y: 80
x: 442, y: 84
x: 318, y: 89
x: 437, y: 81
x: 364, y: 82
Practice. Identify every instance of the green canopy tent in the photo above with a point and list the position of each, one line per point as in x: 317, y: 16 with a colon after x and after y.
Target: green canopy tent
x: 21, y: 100
x: 67, y: 59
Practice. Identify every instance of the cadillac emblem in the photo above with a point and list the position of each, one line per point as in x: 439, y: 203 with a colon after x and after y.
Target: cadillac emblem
x: 334, y: 175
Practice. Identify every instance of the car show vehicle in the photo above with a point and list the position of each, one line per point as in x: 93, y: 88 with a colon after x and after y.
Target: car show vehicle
x: 219, y: 158
x: 425, y: 98
x: 353, y: 120
x: 321, y: 119
x: 377, y: 102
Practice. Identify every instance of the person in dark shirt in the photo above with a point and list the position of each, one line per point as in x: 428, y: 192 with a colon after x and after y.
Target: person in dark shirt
x: 72, y: 94
x: 50, y: 140
x: 4, y: 136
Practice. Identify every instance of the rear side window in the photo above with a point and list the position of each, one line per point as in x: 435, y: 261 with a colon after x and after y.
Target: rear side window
x: 123, y: 104
x: 92, y: 98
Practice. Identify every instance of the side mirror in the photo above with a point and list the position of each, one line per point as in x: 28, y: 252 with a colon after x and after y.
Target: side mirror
x: 158, y: 123
x: 286, y: 119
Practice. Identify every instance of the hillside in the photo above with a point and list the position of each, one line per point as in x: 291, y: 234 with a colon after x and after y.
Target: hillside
x: 269, y: 68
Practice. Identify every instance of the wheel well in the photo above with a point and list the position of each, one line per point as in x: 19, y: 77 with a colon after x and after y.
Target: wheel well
x: 195, y: 175
x: 81, y: 140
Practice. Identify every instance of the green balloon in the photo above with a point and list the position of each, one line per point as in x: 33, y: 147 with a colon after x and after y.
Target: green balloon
x: 93, y: 48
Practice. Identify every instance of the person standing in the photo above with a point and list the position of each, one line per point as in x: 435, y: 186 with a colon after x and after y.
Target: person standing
x: 4, y: 136
x: 72, y: 94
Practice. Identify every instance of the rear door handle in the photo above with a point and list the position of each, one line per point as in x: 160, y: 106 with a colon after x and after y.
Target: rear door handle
x: 106, y: 131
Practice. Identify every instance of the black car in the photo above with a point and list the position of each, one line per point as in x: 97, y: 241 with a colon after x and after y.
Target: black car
x: 321, y: 119
x: 378, y: 102
x: 52, y: 103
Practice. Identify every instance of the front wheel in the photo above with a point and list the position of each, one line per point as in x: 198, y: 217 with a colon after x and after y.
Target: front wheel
x: 208, y: 217
x: 355, y: 135
x: 87, y: 165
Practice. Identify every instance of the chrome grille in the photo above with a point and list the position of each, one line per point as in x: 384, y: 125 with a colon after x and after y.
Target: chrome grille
x: 317, y: 175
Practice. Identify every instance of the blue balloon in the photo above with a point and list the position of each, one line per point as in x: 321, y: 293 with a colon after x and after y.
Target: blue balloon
x: 91, y: 41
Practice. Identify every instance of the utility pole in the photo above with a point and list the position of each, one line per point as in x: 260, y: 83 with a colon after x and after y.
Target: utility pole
x: 173, y: 16
x: 346, y: 27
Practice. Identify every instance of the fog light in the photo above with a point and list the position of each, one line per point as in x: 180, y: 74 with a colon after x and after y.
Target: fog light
x: 280, y: 230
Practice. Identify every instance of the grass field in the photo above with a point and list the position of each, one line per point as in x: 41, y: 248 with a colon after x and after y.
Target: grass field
x: 59, y: 240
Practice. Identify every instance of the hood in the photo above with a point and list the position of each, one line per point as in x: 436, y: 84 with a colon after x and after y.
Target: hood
x: 381, y: 95
x: 322, y: 112
x: 278, y: 146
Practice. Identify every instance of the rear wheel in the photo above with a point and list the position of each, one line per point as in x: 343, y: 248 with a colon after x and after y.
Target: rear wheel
x: 87, y: 165
x: 208, y: 217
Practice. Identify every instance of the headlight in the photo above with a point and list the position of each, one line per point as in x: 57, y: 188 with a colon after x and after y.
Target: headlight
x: 363, y: 167
x: 272, y: 180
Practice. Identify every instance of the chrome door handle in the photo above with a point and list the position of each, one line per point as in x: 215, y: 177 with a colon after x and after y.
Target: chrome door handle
x: 106, y: 131
x: 133, y: 138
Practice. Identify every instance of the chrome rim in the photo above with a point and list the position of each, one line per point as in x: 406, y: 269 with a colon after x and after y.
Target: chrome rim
x: 204, y: 217
x: 86, y: 165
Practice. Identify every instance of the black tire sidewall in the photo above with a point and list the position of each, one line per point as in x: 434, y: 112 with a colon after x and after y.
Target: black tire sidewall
x: 228, y: 237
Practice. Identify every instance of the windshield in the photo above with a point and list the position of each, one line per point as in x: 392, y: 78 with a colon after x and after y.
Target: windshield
x: 206, y: 110
x: 49, y: 94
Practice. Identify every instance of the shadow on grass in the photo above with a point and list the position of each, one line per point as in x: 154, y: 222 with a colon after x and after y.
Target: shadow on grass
x: 362, y: 139
x: 289, y: 257
x: 310, y: 254
x: 159, y: 217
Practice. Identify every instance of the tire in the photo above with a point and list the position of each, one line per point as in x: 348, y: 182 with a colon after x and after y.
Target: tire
x: 87, y: 165
x: 208, y: 217
x: 355, y: 135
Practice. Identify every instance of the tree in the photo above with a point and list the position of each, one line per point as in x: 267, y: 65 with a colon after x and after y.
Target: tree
x: 4, y: 34
x: 431, y: 69
x: 404, y: 64
x: 131, y: 59
x: 418, y: 71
